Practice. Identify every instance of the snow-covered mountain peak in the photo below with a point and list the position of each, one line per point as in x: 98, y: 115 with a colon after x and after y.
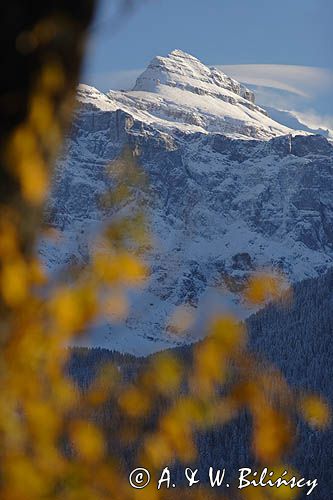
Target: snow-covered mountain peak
x: 181, y: 70
x: 219, y: 206
x: 178, y: 93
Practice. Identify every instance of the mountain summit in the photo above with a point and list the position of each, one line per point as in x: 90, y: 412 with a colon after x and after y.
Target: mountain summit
x: 179, y: 93
x: 183, y: 71
x: 230, y: 192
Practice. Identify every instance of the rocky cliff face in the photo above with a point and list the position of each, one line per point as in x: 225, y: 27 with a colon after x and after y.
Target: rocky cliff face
x: 231, y: 191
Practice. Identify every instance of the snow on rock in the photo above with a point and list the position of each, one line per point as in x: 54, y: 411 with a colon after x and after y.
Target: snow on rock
x: 184, y: 71
x: 231, y: 191
x: 179, y: 93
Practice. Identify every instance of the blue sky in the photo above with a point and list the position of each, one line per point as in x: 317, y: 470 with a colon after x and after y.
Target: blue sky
x: 279, y: 34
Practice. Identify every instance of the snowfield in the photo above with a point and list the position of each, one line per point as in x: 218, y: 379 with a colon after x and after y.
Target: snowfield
x: 178, y: 92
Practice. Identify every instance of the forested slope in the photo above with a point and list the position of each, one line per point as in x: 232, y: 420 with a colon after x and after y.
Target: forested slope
x: 297, y: 338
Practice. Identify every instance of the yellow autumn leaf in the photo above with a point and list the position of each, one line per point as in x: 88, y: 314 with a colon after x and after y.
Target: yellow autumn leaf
x: 271, y: 435
x: 228, y: 332
x: 52, y: 78
x: 8, y: 239
x: 14, y: 282
x: 165, y: 373
x: 158, y: 449
x: 264, y: 287
x: 37, y: 273
x: 22, y: 144
x: 133, y: 271
x: 134, y: 402
x: 87, y: 440
x: 24, y: 479
x: 34, y: 179
x: 66, y: 310
x: 41, y: 113
x: 121, y: 268
x: 316, y: 412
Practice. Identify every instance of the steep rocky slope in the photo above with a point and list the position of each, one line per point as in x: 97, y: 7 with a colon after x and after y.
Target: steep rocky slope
x: 231, y: 190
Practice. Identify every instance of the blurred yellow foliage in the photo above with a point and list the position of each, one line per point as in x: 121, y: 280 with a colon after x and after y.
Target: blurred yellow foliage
x: 87, y: 440
x: 316, y: 411
x: 134, y: 402
x: 264, y: 287
x: 120, y: 268
x: 34, y: 192
x: 165, y: 374
x: 14, y: 281
x: 228, y: 332
x: 272, y: 435
x: 49, y: 446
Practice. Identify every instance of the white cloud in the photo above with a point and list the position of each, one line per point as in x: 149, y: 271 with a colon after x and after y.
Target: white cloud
x: 315, y: 120
x: 305, y: 81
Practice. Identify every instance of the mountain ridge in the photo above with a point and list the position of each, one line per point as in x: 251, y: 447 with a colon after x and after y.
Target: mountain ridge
x: 179, y: 92
x: 222, y: 206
